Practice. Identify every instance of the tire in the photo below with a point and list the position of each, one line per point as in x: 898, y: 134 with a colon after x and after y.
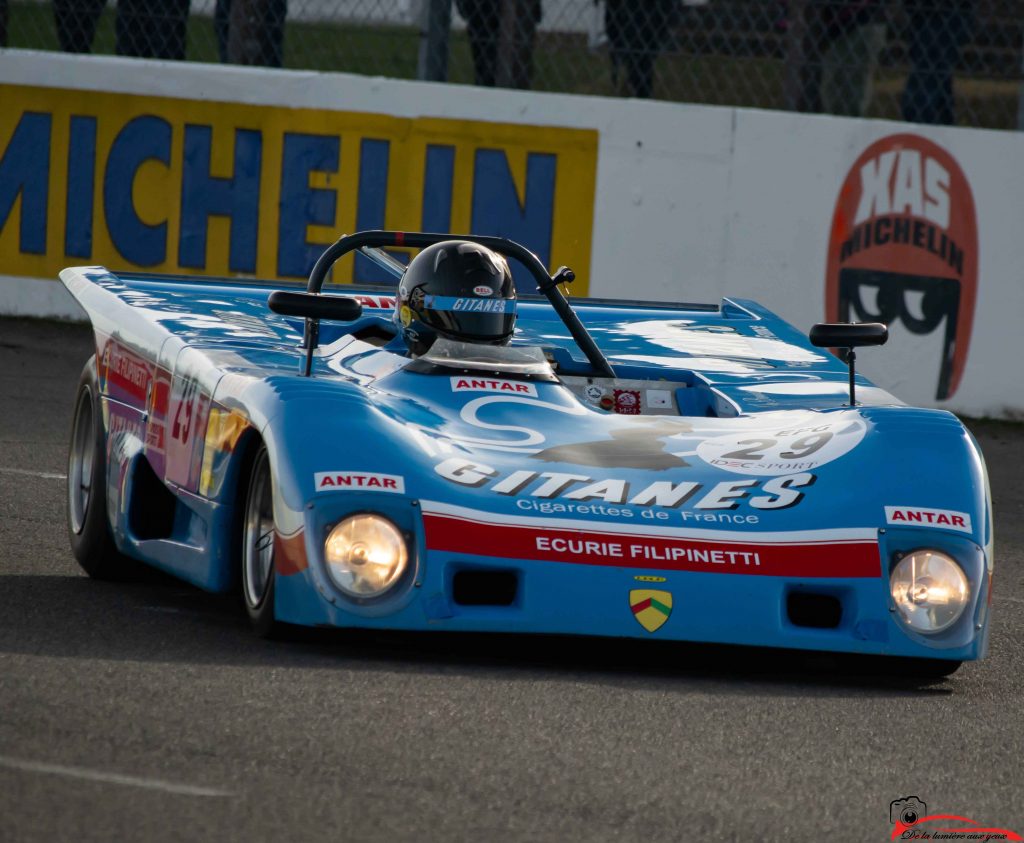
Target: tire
x: 258, y: 573
x: 88, y: 523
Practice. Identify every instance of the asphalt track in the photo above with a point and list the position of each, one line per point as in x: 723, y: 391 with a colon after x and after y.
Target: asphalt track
x: 147, y: 711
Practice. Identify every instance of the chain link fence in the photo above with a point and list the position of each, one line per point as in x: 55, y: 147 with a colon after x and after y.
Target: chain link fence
x: 929, y: 61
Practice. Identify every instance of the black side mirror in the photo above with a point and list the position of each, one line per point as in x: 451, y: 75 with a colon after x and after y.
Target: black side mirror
x: 314, y: 306
x: 848, y: 334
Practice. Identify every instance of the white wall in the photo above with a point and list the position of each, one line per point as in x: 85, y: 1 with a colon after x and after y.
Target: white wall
x: 692, y: 203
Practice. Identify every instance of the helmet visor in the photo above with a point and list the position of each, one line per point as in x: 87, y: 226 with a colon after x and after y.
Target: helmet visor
x: 479, y: 319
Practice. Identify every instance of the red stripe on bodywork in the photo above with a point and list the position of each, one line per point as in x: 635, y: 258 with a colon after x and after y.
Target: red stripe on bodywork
x: 853, y: 558
x: 125, y: 373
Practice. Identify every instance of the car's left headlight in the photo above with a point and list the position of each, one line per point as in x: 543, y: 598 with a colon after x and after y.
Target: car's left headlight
x: 929, y: 589
x: 366, y: 555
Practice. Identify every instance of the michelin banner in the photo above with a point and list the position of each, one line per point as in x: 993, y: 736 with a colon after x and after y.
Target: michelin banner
x: 219, y: 188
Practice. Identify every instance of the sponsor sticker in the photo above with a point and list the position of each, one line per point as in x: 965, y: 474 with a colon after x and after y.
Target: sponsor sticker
x: 659, y: 399
x: 467, y: 384
x: 483, y: 291
x: 376, y: 302
x: 586, y: 543
x: 124, y: 372
x: 627, y: 402
x: 908, y: 516
x: 789, y: 450
x: 554, y: 492
x: 463, y: 305
x: 593, y: 392
x: 358, y: 481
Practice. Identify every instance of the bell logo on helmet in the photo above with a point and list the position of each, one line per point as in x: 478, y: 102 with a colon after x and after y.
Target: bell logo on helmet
x: 483, y: 291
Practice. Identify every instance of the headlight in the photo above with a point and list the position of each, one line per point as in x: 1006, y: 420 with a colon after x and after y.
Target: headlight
x: 929, y: 589
x: 366, y: 555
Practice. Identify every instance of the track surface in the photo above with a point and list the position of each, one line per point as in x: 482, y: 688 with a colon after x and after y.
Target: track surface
x: 147, y: 711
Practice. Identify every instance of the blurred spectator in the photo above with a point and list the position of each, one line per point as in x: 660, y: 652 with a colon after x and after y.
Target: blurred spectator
x: 636, y: 34
x: 834, y: 52
x: 849, y: 62
x: 501, y: 36
x: 147, y: 28
x: 250, y: 31
x: 76, y: 23
x: 152, y: 29
x: 937, y: 29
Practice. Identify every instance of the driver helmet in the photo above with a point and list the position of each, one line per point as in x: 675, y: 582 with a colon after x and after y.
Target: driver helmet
x: 459, y: 290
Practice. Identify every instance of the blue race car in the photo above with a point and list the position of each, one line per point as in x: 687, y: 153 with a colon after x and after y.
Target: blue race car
x: 447, y: 455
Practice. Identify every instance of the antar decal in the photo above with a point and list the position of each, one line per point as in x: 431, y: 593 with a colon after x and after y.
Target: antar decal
x: 341, y: 481
x: 466, y: 384
x: 908, y: 516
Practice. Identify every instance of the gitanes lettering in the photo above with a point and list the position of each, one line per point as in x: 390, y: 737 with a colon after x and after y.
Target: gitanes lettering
x: 712, y: 500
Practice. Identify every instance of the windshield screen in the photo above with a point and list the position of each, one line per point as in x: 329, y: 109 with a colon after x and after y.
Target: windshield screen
x: 522, y: 360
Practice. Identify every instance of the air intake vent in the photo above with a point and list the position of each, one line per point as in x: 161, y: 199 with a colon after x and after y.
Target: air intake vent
x: 820, y: 611
x: 485, y: 588
x: 152, y: 507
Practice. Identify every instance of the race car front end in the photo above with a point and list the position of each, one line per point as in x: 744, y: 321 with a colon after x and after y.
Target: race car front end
x: 807, y: 560
x: 892, y: 591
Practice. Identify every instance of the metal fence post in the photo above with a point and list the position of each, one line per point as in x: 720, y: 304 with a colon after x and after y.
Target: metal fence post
x: 435, y: 24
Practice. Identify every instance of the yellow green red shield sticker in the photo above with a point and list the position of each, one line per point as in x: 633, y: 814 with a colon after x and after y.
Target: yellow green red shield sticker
x: 651, y: 608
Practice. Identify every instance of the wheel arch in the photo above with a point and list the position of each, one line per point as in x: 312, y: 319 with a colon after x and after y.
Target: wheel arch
x: 236, y: 485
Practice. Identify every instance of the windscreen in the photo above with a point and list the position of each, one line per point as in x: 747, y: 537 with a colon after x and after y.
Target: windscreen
x: 524, y: 360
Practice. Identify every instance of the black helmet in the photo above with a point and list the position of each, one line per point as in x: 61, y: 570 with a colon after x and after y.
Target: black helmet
x: 459, y: 290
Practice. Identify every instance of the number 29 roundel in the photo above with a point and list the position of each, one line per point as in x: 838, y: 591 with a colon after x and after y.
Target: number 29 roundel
x: 903, y: 249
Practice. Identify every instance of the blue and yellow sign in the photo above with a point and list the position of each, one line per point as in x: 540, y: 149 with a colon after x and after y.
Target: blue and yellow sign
x: 213, y: 188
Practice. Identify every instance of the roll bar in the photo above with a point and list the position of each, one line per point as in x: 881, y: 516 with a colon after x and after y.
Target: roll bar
x: 547, y: 284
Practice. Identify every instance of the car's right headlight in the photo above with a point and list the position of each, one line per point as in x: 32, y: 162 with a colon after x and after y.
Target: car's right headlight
x: 366, y: 555
x: 929, y: 589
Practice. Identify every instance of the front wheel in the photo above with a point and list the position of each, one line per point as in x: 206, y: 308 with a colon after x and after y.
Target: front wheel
x: 88, y: 523
x: 258, y: 532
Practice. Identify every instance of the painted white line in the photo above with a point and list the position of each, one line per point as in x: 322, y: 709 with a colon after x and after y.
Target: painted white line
x: 46, y: 475
x: 110, y: 778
